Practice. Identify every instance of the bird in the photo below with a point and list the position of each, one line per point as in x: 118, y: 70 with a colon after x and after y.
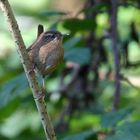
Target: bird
x: 46, y: 52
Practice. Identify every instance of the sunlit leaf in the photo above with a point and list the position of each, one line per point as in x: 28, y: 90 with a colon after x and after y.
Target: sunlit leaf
x: 31, y: 121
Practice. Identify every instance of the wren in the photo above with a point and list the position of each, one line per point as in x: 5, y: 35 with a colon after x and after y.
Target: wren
x: 46, y: 52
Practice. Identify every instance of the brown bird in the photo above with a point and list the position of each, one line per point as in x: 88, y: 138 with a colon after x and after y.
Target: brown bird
x: 46, y: 52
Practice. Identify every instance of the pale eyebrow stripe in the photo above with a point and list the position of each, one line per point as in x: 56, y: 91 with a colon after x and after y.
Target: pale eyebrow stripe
x: 48, y: 34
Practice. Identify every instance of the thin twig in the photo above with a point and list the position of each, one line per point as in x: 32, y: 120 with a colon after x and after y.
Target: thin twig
x: 40, y: 103
x: 115, y: 54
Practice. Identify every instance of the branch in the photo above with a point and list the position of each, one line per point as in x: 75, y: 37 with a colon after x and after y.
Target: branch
x: 115, y: 54
x: 28, y: 68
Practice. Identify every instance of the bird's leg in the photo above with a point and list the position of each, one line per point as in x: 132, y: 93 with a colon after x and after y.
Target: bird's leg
x: 41, y: 95
x: 44, y: 78
x: 43, y: 86
x: 43, y: 83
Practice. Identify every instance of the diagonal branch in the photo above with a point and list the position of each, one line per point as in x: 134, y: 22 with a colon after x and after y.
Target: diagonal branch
x: 40, y: 103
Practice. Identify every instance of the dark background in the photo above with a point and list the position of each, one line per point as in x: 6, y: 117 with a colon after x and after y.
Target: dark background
x: 95, y: 93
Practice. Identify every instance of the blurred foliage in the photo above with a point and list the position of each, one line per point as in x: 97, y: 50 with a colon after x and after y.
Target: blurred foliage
x: 81, y: 91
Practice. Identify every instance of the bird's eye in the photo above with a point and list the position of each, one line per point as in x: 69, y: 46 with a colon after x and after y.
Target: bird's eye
x: 52, y: 36
x: 48, y: 37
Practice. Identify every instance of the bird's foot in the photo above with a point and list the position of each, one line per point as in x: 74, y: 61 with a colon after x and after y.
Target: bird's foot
x: 31, y: 70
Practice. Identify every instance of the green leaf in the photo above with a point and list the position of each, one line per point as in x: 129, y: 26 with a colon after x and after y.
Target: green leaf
x: 12, y: 89
x: 120, y: 137
x: 127, y: 131
x: 72, y: 42
x: 132, y: 128
x: 17, y: 117
x: 9, y: 108
x: 79, y: 24
x: 112, y: 118
x: 80, y: 136
x: 78, y: 55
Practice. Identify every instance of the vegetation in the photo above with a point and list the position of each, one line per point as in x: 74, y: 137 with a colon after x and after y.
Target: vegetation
x: 94, y: 94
